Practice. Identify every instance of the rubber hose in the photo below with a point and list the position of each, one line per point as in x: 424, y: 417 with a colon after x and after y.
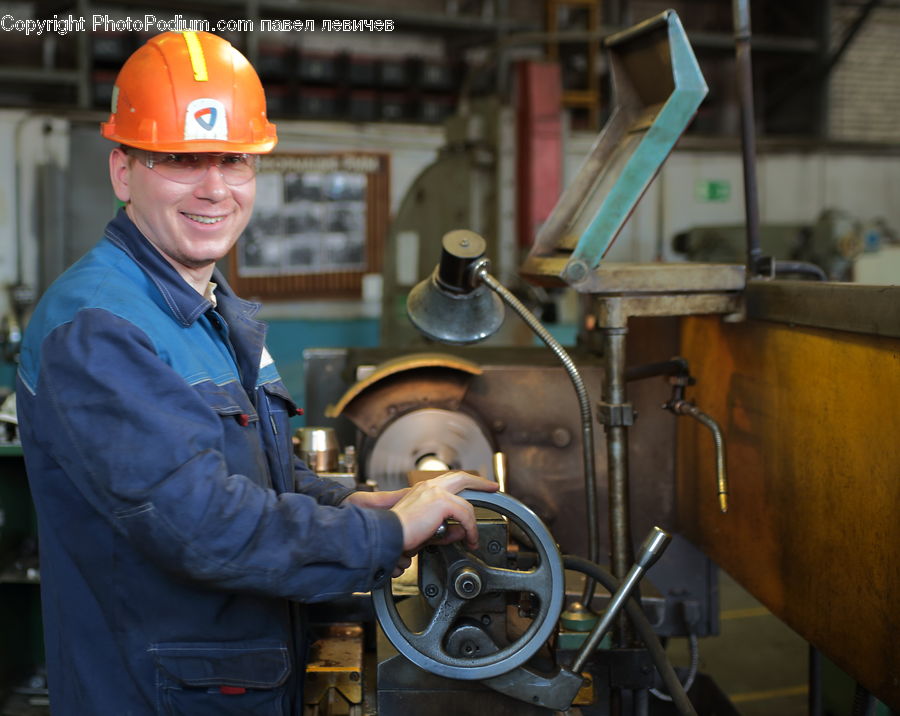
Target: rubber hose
x: 692, y: 669
x: 644, y: 629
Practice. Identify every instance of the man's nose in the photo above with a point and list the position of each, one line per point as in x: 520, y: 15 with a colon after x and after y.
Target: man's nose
x: 212, y: 186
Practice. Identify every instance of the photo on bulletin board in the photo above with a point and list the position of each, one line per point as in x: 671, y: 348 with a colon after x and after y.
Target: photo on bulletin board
x: 318, y: 226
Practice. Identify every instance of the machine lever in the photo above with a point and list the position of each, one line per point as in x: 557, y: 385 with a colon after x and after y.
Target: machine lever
x: 651, y: 550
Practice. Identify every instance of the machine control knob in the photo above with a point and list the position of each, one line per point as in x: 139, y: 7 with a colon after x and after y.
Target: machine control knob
x: 467, y: 583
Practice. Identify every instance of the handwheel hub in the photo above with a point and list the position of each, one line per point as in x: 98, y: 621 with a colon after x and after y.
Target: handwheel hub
x: 467, y: 583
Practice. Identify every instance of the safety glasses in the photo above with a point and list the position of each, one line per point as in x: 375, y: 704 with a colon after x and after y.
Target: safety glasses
x: 191, y: 167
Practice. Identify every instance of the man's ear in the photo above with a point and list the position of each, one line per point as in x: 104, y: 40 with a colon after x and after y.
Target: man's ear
x: 120, y: 174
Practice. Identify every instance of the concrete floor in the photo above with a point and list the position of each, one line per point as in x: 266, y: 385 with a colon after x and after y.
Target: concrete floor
x: 757, y: 661
x: 762, y: 665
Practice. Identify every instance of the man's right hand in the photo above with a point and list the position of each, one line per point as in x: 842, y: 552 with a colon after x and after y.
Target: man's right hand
x: 427, y: 504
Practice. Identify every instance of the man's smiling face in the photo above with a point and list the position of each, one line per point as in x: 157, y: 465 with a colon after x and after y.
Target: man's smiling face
x: 192, y: 225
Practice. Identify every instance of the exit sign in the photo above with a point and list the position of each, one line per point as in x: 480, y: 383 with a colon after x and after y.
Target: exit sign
x: 713, y: 190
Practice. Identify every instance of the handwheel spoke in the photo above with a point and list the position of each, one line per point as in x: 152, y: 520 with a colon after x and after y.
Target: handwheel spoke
x: 497, y: 579
x: 537, y: 581
x: 430, y: 639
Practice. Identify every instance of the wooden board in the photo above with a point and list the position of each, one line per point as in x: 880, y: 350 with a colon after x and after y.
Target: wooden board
x: 812, y: 423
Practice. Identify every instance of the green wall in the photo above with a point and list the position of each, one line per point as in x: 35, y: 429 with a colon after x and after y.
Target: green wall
x: 288, y: 338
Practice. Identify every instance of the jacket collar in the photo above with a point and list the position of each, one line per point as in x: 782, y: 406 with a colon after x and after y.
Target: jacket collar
x: 185, y: 304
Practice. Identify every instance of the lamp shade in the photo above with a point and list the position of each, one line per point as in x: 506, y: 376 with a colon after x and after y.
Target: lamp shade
x: 451, y: 305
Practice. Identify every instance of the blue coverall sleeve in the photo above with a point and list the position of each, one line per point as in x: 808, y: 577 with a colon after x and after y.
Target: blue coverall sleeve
x: 325, y: 491
x: 147, y: 453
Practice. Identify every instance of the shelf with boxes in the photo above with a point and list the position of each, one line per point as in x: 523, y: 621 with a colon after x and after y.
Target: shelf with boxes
x: 78, y: 69
x: 358, y: 88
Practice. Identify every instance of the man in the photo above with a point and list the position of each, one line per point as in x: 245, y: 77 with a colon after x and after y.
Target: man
x: 178, y: 532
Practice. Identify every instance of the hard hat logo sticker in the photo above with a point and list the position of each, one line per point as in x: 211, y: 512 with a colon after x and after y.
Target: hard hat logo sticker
x: 205, y: 119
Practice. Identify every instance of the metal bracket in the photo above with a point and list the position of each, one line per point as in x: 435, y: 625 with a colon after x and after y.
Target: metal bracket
x: 554, y: 692
x: 626, y: 668
x: 616, y: 415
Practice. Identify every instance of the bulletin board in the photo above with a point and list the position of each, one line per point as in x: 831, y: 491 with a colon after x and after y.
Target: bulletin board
x: 318, y: 226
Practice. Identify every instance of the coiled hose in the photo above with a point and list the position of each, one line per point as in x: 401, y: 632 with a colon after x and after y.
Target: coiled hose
x: 644, y: 629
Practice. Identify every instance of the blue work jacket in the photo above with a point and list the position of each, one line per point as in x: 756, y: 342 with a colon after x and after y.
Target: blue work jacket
x: 177, y: 530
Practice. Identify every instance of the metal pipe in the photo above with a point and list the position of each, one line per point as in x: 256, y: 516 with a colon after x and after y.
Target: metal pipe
x: 17, y: 196
x: 683, y: 407
x: 675, y: 366
x: 587, y: 430
x: 741, y: 14
x: 621, y: 549
x: 800, y: 267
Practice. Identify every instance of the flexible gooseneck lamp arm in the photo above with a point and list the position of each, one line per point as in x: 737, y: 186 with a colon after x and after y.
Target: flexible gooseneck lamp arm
x: 480, y: 270
x: 453, y: 305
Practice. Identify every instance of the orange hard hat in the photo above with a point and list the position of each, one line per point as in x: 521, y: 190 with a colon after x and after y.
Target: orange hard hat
x: 189, y: 92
